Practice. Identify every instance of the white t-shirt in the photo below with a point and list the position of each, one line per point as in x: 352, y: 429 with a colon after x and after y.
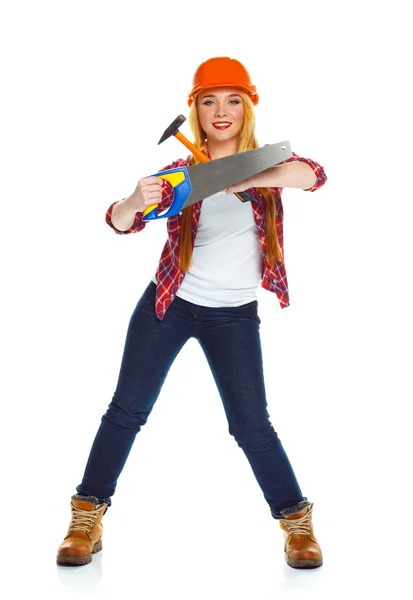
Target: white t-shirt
x: 227, y: 256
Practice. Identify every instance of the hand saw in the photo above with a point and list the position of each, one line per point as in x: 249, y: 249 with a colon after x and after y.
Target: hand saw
x: 192, y: 184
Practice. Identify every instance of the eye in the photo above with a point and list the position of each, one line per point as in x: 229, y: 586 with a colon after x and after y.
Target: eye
x: 236, y: 101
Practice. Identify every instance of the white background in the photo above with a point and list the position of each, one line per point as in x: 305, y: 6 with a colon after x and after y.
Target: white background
x: 87, y: 90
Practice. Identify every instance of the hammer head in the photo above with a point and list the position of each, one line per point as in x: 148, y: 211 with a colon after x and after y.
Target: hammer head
x: 173, y: 128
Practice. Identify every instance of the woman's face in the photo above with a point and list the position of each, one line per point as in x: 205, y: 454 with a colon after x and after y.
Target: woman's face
x: 220, y: 105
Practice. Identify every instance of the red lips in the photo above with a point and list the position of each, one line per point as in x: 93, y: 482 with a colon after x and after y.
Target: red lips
x: 221, y: 125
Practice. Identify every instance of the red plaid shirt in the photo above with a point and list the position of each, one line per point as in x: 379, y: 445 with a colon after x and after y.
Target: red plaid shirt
x: 169, y: 275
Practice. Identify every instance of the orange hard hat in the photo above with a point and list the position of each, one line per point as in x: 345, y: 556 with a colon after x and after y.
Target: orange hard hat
x: 219, y: 72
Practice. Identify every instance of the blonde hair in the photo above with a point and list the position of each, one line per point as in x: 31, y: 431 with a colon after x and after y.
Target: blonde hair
x: 247, y: 141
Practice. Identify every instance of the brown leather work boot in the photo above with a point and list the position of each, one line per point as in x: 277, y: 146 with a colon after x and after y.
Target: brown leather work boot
x: 84, y: 536
x: 301, y: 546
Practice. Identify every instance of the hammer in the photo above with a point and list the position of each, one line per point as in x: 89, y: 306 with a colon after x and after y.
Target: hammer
x: 173, y: 129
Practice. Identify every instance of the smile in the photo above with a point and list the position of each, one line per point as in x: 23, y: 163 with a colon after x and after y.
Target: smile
x: 221, y: 125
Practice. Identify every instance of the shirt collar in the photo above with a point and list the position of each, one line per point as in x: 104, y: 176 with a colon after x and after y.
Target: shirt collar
x: 207, y: 152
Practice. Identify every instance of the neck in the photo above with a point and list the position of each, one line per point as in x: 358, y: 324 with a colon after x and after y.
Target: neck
x: 221, y: 149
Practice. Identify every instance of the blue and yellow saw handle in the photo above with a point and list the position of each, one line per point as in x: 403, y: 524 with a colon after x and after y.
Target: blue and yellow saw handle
x: 179, y: 179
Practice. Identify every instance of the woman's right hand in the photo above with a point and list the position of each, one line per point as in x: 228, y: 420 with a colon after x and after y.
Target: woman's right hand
x: 147, y: 192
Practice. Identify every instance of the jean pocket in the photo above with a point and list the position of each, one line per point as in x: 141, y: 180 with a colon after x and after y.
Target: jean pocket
x: 249, y: 311
x: 254, y: 303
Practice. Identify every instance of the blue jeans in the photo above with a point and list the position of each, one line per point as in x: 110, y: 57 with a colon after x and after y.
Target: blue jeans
x: 230, y: 339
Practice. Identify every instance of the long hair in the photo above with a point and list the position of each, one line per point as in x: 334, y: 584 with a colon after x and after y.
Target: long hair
x: 247, y: 141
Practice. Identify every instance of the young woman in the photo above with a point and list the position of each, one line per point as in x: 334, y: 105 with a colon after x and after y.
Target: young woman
x: 216, y: 254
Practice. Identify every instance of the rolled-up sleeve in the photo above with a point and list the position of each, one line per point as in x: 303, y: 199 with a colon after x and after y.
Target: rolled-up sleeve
x: 318, y: 170
x: 137, y: 225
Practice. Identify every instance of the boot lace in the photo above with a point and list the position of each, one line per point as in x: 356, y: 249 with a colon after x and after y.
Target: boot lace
x: 83, y: 520
x: 301, y: 525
